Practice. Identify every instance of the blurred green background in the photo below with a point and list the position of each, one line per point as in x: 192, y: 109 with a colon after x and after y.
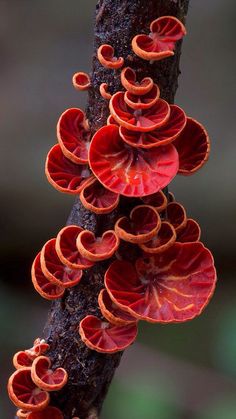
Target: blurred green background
x: 174, y: 371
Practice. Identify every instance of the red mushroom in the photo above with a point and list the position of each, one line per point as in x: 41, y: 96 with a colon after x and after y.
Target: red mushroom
x: 173, y: 286
x: 157, y: 200
x: 63, y: 174
x: 98, y: 199
x: 54, y: 270
x: 42, y: 285
x: 24, y: 393
x: 164, y: 239
x: 81, y: 81
x: 165, y: 31
x: 111, y: 312
x: 97, y: 248
x: 142, y: 226
x: 176, y: 215
x: 105, y: 337
x: 193, y: 146
x: 142, y: 101
x: 130, y: 171
x: 49, y: 413
x: 22, y: 414
x: 129, y: 82
x: 166, y: 134
x: 190, y: 233
x: 21, y: 359
x: 111, y: 121
x: 72, y: 135
x: 138, y: 120
x: 67, y: 250
x: 40, y: 346
x: 106, y: 57
x: 104, y: 92
x: 45, y: 377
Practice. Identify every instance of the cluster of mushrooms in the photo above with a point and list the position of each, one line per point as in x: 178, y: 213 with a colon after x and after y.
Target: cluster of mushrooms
x: 144, y: 145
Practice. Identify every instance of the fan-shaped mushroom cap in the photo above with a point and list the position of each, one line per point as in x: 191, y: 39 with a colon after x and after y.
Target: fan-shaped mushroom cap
x: 104, y: 91
x: 106, y: 57
x: 164, y: 239
x: 24, y: 393
x: 81, y: 81
x: 105, y: 337
x: 142, y: 101
x: 67, y: 250
x: 21, y: 359
x: 42, y: 285
x: 54, y: 270
x: 96, y: 198
x: 113, y: 313
x: 130, y: 171
x: 173, y: 286
x: 157, y: 200
x: 129, y: 82
x: 190, y: 233
x: 46, y: 378
x: 176, y: 215
x: 72, y: 135
x: 97, y: 248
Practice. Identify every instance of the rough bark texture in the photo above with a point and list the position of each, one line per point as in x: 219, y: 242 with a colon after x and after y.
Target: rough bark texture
x: 90, y: 373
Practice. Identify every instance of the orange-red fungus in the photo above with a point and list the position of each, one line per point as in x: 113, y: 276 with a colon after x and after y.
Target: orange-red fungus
x: 129, y: 82
x: 160, y: 43
x: 81, y: 81
x: 104, y: 92
x: 98, y: 199
x: 190, y: 233
x: 97, y: 248
x: 157, y: 200
x: 22, y: 414
x: 49, y: 413
x: 130, y: 171
x: 43, y: 286
x: 45, y: 377
x: 165, y: 238
x: 106, y: 337
x: 173, y: 286
x: 21, y: 359
x: 106, y: 57
x: 176, y: 215
x: 24, y: 393
x: 111, y: 312
x: 143, y: 101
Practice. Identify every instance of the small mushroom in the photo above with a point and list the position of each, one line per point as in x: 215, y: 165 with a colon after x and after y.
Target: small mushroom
x: 98, y: 199
x: 129, y: 82
x: 43, y: 286
x: 21, y: 359
x: 97, y: 248
x: 22, y: 414
x: 157, y: 200
x: 164, y: 239
x: 143, y: 101
x: 176, y: 215
x: 45, y: 377
x: 190, y: 233
x: 106, y: 57
x: 111, y: 312
x: 104, y: 92
x: 81, y: 81
x: 105, y: 337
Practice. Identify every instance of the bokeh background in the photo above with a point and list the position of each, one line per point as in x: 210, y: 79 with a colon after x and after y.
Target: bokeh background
x: 174, y: 371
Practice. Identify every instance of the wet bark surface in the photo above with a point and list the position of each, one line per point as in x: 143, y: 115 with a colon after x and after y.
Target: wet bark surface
x: 90, y: 373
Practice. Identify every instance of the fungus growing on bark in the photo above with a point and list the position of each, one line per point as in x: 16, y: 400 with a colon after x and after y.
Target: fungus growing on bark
x: 63, y: 174
x: 176, y: 215
x: 111, y: 312
x: 160, y: 43
x: 42, y: 285
x: 142, y: 225
x: 24, y: 393
x: 106, y: 57
x: 166, y: 134
x: 129, y: 82
x: 81, y: 81
x: 130, y: 171
x: 105, y: 337
x: 54, y: 270
x: 164, y: 239
x: 40, y: 346
x: 73, y: 136
x: 144, y: 120
x: 193, y: 146
x: 142, y: 101
x: 157, y: 200
x: 21, y: 359
x: 67, y: 250
x: 104, y: 92
x: 173, y: 286
x: 22, y: 414
x: 191, y: 232
x: 49, y: 413
x: 97, y: 248
x: 46, y: 378
x: 98, y: 199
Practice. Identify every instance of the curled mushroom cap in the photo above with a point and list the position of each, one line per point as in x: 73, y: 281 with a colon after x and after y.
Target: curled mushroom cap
x: 49, y: 413
x: 193, y: 146
x: 166, y: 134
x: 144, y: 120
x: 105, y: 337
x: 106, y: 57
x: 176, y: 215
x: 97, y: 248
x: 190, y: 233
x: 46, y: 378
x: 104, y: 91
x: 98, y: 199
x: 111, y: 121
x: 24, y: 393
x: 54, y: 270
x: 130, y: 171
x: 63, y: 174
x: 72, y: 135
x: 165, y: 238
x: 142, y: 226
x: 143, y: 101
x: 67, y: 250
x: 173, y: 286
x: 157, y: 200
x: 81, y: 81
x: 22, y: 359
x: 42, y: 285
x: 22, y: 414
x: 165, y: 31
x: 111, y: 312
x: 129, y: 82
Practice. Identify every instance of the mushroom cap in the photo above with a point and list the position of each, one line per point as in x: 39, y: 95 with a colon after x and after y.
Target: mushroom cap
x: 104, y: 91
x: 164, y: 239
x: 111, y: 312
x: 130, y: 171
x: 50, y: 412
x: 42, y: 285
x: 97, y: 248
x: 173, y: 286
x: 21, y: 359
x: 129, y: 82
x: 106, y: 57
x: 106, y: 337
x: 96, y: 198
x: 142, y: 101
x: 191, y: 232
x: 81, y: 81
x: 157, y: 200
x: 46, y: 378
x: 176, y: 215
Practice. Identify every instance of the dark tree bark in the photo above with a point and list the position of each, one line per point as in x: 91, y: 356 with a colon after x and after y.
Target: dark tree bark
x: 90, y: 373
